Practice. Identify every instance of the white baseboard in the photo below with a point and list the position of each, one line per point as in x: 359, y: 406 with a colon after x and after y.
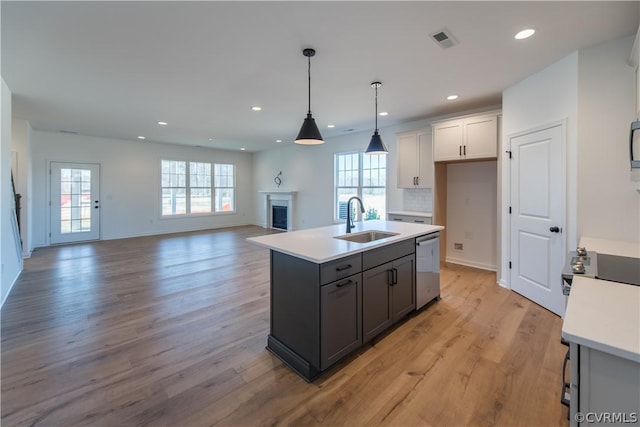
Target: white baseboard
x: 10, y: 288
x: 473, y: 264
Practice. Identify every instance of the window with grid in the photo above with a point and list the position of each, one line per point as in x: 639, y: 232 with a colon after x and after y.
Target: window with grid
x: 224, y: 187
x: 364, y: 176
x: 192, y: 188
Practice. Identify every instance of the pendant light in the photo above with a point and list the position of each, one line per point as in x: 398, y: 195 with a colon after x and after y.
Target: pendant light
x: 376, y: 146
x: 309, y: 133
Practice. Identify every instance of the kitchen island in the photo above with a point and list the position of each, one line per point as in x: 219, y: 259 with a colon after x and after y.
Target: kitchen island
x: 330, y: 296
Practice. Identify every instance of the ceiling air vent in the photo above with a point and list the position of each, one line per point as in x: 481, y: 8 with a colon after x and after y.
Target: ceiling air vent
x: 444, y: 39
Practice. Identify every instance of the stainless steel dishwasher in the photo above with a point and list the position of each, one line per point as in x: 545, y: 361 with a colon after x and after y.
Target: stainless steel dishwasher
x: 427, y: 269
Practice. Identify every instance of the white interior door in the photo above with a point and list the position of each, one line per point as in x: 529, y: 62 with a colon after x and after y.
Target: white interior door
x: 75, y: 202
x: 537, y: 217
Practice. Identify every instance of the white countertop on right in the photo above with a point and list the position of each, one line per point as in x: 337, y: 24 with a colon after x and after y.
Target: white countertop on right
x: 612, y: 247
x: 605, y: 316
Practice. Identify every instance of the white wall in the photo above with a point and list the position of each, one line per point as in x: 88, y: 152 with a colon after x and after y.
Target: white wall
x: 309, y: 170
x: 550, y: 95
x: 10, y: 251
x: 593, y: 91
x: 21, y: 150
x: 608, y: 203
x: 471, y: 213
x: 130, y: 183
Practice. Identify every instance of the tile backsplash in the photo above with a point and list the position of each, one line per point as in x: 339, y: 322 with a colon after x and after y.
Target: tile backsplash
x: 418, y: 200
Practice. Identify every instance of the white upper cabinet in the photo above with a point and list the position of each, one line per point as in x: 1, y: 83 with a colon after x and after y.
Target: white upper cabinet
x: 415, y: 160
x: 468, y: 138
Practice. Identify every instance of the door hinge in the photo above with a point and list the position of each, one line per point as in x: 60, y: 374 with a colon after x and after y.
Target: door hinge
x: 509, y: 265
x: 509, y: 209
x: 509, y: 153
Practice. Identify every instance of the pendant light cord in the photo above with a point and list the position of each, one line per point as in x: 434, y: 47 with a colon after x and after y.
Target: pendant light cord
x: 309, y: 73
x: 376, y: 87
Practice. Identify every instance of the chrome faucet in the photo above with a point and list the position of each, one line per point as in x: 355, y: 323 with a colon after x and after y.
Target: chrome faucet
x: 349, y: 226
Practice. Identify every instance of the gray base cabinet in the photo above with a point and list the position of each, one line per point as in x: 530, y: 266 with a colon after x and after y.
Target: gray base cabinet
x: 388, y: 295
x: 340, y: 314
x: 322, y: 312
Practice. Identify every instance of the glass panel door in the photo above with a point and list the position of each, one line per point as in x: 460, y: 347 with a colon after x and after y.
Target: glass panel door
x: 75, y: 206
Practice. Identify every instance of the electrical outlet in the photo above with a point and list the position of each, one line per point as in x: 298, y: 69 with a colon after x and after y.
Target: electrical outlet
x: 457, y: 246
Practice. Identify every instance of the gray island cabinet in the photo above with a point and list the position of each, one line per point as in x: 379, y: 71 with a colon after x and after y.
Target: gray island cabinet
x: 328, y: 303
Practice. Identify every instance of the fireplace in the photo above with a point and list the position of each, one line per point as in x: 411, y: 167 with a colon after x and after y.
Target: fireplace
x: 279, y: 217
x: 279, y: 209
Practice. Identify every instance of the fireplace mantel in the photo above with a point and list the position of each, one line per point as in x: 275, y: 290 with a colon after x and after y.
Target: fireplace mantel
x: 278, y: 198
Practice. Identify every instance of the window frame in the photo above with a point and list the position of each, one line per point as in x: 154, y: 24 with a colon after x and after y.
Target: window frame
x: 360, y: 187
x: 215, y: 187
x: 187, y: 189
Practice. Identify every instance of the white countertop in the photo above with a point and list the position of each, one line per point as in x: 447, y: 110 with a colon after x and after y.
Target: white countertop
x: 411, y: 213
x: 318, y: 244
x: 605, y: 316
x: 612, y: 247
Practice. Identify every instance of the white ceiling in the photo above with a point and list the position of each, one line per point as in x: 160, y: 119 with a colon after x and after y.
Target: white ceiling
x: 113, y: 69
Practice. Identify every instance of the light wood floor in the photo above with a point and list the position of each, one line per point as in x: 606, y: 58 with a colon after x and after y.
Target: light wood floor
x: 171, y: 331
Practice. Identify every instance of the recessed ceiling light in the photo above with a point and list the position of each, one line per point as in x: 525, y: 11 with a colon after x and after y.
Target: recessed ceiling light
x: 163, y: 123
x: 242, y: 149
x: 383, y: 113
x: 142, y: 137
x: 525, y: 34
x: 278, y: 140
x: 452, y: 97
x: 210, y: 139
x: 256, y: 108
x: 331, y: 126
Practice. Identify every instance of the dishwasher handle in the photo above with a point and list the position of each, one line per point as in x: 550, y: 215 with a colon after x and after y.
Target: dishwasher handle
x: 428, y: 239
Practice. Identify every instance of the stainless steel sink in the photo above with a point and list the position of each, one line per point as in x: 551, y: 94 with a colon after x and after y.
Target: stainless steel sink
x: 366, y: 236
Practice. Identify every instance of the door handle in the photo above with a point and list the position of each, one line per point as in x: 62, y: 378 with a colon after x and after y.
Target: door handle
x: 554, y: 229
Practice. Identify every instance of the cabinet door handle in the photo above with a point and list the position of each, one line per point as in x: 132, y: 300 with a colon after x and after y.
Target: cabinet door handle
x: 464, y: 150
x: 395, y: 276
x: 344, y: 267
x: 345, y: 283
x: 419, y: 220
x: 417, y: 180
x: 390, y: 277
x: 460, y: 150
